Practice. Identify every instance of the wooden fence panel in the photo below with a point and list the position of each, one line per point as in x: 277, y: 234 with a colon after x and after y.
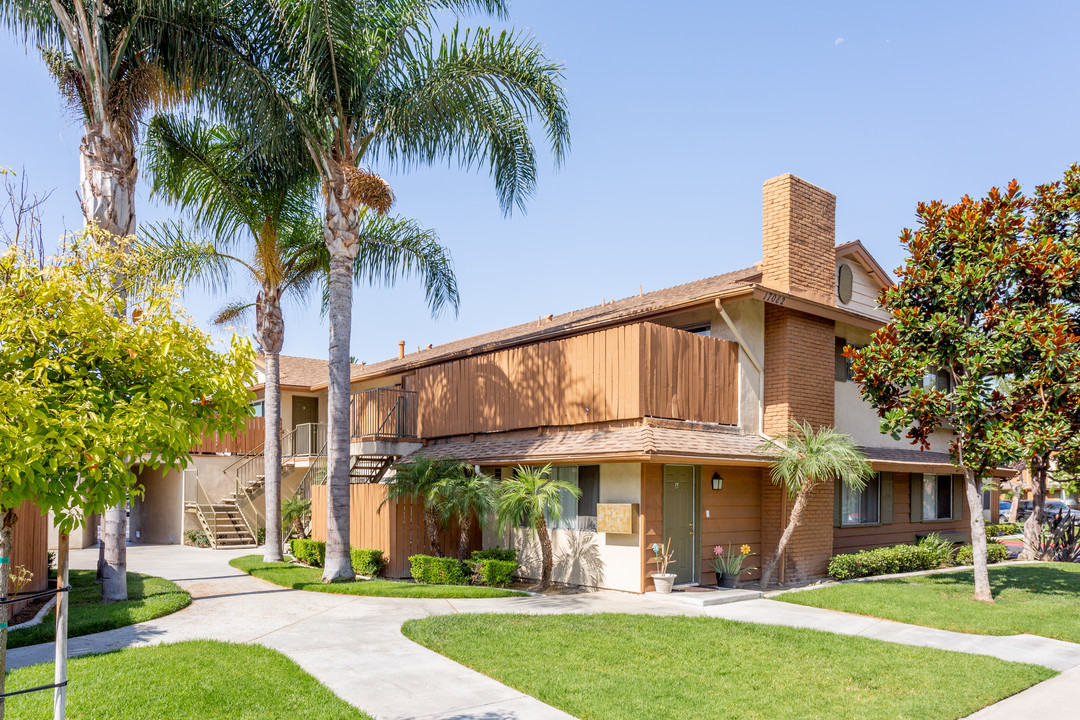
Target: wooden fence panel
x: 241, y: 443
x: 691, y: 377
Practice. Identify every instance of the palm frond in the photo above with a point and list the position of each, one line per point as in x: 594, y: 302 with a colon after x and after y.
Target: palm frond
x: 176, y: 253
x: 808, y: 456
x: 232, y: 311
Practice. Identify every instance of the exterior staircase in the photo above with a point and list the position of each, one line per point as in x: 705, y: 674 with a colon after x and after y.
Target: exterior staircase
x: 221, y: 520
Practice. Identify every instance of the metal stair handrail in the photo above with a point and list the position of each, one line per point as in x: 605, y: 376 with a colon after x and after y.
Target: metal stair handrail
x: 203, y: 504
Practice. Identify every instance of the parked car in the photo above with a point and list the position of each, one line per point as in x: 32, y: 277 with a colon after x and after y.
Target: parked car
x: 1004, y: 508
x: 1050, y: 509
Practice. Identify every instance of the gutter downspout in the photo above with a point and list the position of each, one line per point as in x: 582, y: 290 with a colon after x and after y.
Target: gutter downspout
x: 753, y: 361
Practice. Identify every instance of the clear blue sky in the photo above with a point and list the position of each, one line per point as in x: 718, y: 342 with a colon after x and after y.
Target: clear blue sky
x: 679, y: 112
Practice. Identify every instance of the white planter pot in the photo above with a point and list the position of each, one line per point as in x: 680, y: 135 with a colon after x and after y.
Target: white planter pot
x: 664, y: 582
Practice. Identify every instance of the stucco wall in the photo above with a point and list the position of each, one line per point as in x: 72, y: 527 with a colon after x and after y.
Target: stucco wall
x: 158, y: 517
x: 586, y: 558
x: 748, y: 316
x: 857, y: 418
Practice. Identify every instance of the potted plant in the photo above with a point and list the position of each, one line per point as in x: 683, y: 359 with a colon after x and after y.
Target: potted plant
x: 662, y: 555
x: 729, y: 565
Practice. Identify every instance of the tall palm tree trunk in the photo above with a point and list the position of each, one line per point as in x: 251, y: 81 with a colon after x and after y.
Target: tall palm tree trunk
x: 114, y: 570
x: 547, y: 561
x: 978, y: 536
x: 794, y: 520
x: 270, y: 335
x: 1040, y: 466
x: 107, y: 175
x: 342, y: 240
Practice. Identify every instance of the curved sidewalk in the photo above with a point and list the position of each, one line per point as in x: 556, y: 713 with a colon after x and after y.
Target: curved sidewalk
x: 354, y: 644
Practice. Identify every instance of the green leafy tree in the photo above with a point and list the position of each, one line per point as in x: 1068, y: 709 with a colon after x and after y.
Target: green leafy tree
x: 979, y: 345
x: 463, y: 496
x: 805, y: 459
x: 531, y: 496
x: 375, y: 83
x: 417, y: 481
x: 89, y: 393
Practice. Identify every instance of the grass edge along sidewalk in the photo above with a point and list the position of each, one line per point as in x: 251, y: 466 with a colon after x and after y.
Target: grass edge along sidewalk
x: 635, y: 667
x: 1030, y: 598
x: 193, y: 680
x: 300, y: 577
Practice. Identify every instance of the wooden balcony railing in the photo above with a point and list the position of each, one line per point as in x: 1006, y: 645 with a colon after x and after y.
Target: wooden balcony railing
x: 383, y: 414
x: 240, y: 443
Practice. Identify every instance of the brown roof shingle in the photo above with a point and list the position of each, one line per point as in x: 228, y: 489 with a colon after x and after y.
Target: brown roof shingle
x: 300, y: 371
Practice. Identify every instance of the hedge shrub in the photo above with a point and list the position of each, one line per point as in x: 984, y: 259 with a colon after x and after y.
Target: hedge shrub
x: 366, y: 561
x: 995, y: 552
x: 496, y: 573
x: 309, y: 552
x: 994, y: 529
x: 508, y: 555
x: 437, y: 570
x: 882, y: 561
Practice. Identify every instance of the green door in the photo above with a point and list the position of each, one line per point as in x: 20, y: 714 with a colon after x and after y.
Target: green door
x: 679, y: 494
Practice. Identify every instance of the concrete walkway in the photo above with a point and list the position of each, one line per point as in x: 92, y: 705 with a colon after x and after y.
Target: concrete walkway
x: 354, y: 644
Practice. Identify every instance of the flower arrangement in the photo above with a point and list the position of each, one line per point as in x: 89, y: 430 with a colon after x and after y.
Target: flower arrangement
x: 662, y: 557
x: 730, y: 562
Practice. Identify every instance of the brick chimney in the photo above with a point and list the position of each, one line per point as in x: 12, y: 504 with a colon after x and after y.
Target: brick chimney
x: 798, y: 235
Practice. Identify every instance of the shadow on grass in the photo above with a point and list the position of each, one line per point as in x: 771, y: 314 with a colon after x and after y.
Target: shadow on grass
x: 1041, y: 579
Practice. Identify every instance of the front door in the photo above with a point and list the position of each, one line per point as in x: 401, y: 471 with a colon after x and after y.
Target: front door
x: 304, y: 410
x: 679, y: 513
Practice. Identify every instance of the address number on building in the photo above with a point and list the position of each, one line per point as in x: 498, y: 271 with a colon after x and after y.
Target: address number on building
x: 774, y: 298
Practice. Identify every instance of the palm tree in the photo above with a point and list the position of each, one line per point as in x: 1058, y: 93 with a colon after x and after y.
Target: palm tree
x: 234, y: 194
x: 417, y: 481
x: 295, y: 512
x: 532, y: 496
x: 370, y: 83
x: 115, y: 60
x: 462, y: 496
x: 805, y: 459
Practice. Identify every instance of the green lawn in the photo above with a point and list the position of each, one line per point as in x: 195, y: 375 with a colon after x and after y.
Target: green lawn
x: 1038, y: 599
x: 631, y: 667
x: 149, y: 597
x: 195, y: 680
x: 299, y: 577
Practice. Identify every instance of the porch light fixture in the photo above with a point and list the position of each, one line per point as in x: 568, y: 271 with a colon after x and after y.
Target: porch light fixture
x: 717, y: 481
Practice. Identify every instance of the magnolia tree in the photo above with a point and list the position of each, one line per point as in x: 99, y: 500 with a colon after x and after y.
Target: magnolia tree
x: 88, y: 392
x: 983, y: 317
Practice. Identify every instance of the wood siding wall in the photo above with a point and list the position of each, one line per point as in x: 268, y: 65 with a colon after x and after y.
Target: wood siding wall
x: 30, y: 548
x: 397, y: 529
x: 901, y: 530
x: 241, y: 443
x: 734, y: 517
x: 651, y: 520
x: 626, y: 372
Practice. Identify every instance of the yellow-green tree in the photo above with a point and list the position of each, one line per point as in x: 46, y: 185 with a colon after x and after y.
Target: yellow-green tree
x: 89, y: 391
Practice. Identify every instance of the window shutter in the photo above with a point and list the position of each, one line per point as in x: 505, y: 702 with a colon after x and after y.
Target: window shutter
x: 886, y: 498
x: 916, y: 497
x: 840, y: 363
x: 838, y: 503
x: 958, y: 501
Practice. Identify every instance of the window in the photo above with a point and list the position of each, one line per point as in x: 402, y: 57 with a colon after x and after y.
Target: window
x: 704, y: 329
x: 938, y: 379
x: 862, y: 507
x: 937, y: 497
x: 578, y: 513
x: 841, y: 363
x: 258, y: 406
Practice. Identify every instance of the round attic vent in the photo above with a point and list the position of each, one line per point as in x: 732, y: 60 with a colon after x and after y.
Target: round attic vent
x: 843, y: 283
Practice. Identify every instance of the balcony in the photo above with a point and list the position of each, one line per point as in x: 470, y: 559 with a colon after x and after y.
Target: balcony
x: 243, y: 442
x: 383, y: 414
x: 622, y: 373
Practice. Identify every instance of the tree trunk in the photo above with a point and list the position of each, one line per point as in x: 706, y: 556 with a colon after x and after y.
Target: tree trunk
x: 114, y: 572
x: 793, y: 522
x: 978, y: 537
x: 1018, y: 490
x: 431, y: 522
x: 60, y: 644
x: 107, y: 175
x: 1039, y: 465
x: 270, y: 334
x: 341, y: 235
x: 7, y: 532
x: 464, y: 526
x: 545, y: 550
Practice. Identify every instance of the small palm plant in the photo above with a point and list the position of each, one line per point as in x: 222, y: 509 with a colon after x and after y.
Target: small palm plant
x: 295, y: 512
x: 418, y: 480
x: 532, y: 496
x: 462, y: 496
x: 805, y: 459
